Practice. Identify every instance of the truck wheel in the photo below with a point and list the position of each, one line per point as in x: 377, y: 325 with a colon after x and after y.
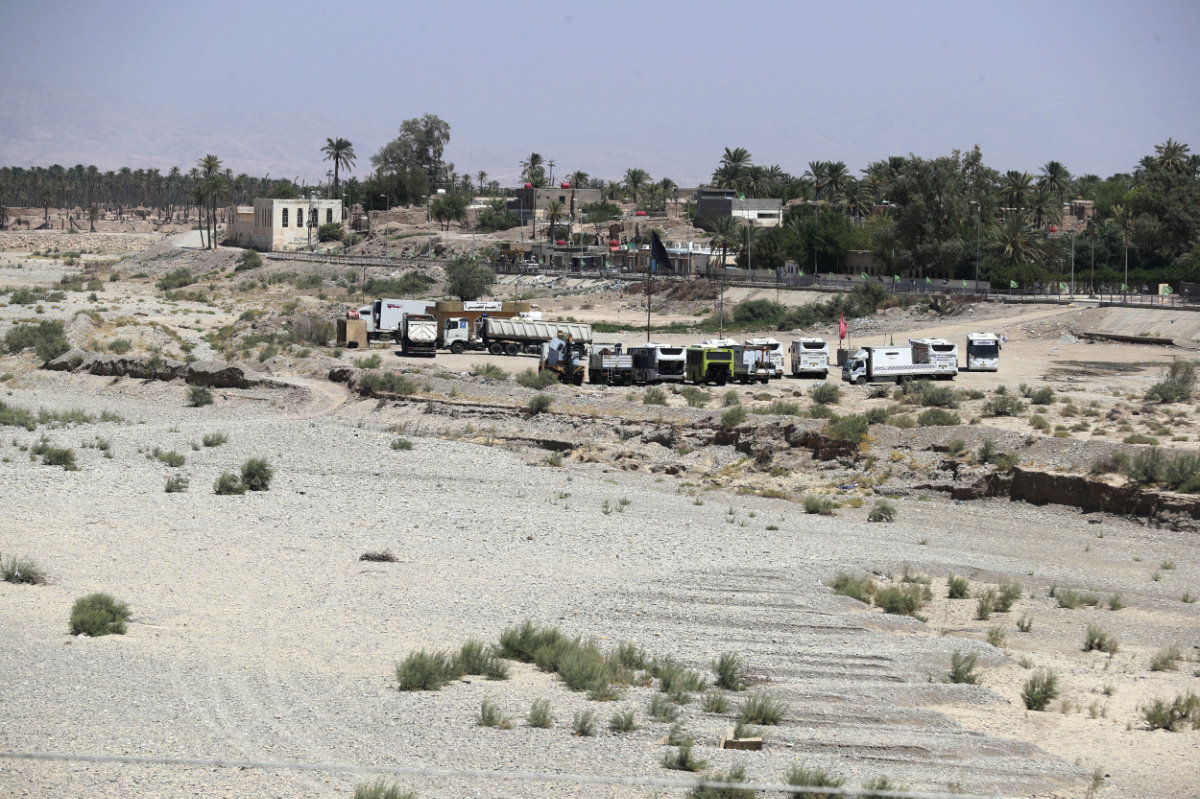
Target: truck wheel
x: 457, y: 348
x: 511, y: 349
x: 861, y: 381
x: 494, y: 348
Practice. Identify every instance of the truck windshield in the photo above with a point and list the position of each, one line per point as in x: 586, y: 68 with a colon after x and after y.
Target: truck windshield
x: 984, y: 350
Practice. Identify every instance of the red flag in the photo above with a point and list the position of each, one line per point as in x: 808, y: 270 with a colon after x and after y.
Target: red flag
x: 842, y: 326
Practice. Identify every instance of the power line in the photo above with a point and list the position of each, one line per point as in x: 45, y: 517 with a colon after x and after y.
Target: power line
x: 525, y: 776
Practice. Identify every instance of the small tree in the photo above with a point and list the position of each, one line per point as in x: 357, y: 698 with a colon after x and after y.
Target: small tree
x: 468, y: 279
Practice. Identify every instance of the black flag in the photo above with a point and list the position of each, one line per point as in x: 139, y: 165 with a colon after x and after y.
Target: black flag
x: 658, y: 252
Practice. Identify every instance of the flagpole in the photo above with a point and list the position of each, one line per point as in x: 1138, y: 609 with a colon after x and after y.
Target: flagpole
x: 649, y: 295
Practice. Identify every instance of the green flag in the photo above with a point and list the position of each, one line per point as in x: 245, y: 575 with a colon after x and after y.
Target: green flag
x: 1124, y: 287
x: 1012, y: 284
x: 895, y: 278
x: 1062, y: 286
x: 864, y: 276
x: 1167, y: 290
x: 800, y: 273
x: 964, y: 282
x: 927, y: 280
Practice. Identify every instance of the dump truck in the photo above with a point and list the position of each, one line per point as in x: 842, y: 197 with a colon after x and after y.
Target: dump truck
x: 418, y: 334
x: 894, y: 364
x: 384, y: 317
x: 983, y: 352
x: 609, y: 365
x: 658, y: 363
x: 709, y: 365
x: 810, y: 356
x: 513, y: 336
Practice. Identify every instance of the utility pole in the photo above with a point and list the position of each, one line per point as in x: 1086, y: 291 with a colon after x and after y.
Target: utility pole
x: 387, y: 202
x: 978, y: 231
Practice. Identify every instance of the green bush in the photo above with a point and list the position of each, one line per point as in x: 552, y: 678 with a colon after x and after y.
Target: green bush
x: 490, y: 715
x: 986, y: 604
x: 1007, y: 595
x: 257, y: 474
x: 901, y: 600
x: 540, y: 715
x: 695, y: 397
x: 539, y: 403
x: 228, y: 484
x: 805, y: 777
x: 584, y: 723
x: 1184, y: 709
x: 936, y: 417
x: 957, y: 587
x: 176, y: 278
x: 60, y: 456
x: 402, y: 444
x: 762, y: 708
x: 1096, y: 639
x: 1178, y: 385
x: 654, y: 396
x: 21, y: 570
x: 851, y: 428
x: 1003, y: 405
x: 13, y: 416
x: 716, y: 702
x: 199, y: 396
x: 331, y: 231
x: 369, y: 362
x: 882, y: 511
x: 730, y: 671
x: 730, y: 398
x: 46, y: 338
x: 177, y: 484
x: 522, y: 643
x: 1166, y: 659
x: 381, y: 790
x: 386, y: 383
x: 529, y: 378
x: 736, y: 774
x: 819, y: 505
x: 1040, y: 689
x: 120, y: 346
x: 931, y: 396
x: 622, y: 721
x: 825, y: 394
x: 681, y: 759
x: 426, y: 671
x: 733, y: 417
x: 855, y: 586
x: 98, y: 614
x: 250, y: 259
x: 1071, y: 599
x: 662, y: 709
x: 214, y: 439
x: 962, y: 668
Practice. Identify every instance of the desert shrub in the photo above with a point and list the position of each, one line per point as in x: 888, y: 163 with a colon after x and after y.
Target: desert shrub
x: 472, y: 657
x: 985, y: 605
x: 1148, y: 466
x: 13, y: 416
x: 382, y: 556
x: 540, y: 715
x: 654, y: 396
x: 368, y: 362
x: 730, y: 670
x: 169, y: 457
x: 957, y: 587
x: 1038, y: 422
x: 250, y: 259
x: 1007, y: 595
x: 1184, y: 709
x: 1040, y: 689
x: 696, y: 397
x: 401, y: 444
x: 539, y: 403
x: 176, y: 484
x: 522, y: 643
x: 530, y: 378
x: 257, y: 474
x: 1003, y: 405
x: 761, y: 708
x: 98, y: 614
x: 1070, y: 599
x: 662, y: 709
x: 805, y: 777
x: 425, y: 671
x: 931, y: 396
x: 59, y: 456
x: 228, y: 484
x: 331, y: 231
x: 825, y: 394
x: 996, y: 636
x: 1116, y: 462
x: 1025, y: 623
x: 381, y: 790
x: 46, y: 338
x: 175, y: 279
x: 630, y: 656
x: 490, y: 715
x: 901, y: 600
x: 373, y: 382
x: 1038, y: 396
x: 715, y: 702
x: 18, y: 570
x: 1166, y: 659
x: 822, y: 506
x: 852, y: 428
x: 730, y: 398
x: 682, y: 759
x: 962, y: 668
x: 120, y: 346
x: 855, y: 586
x: 199, y: 396
x: 674, y: 679
x: 214, y: 439
x: 733, y: 417
x: 584, y: 723
x: 622, y: 721
x: 882, y: 511
x: 1096, y: 639
x: 937, y: 417
x: 1177, y: 385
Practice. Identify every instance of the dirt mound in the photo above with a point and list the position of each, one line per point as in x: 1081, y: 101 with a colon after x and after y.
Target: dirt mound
x: 165, y: 257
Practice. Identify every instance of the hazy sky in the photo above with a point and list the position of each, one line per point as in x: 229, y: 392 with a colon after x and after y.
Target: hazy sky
x: 664, y: 86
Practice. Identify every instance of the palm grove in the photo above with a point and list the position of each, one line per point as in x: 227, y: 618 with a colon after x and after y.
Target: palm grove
x: 940, y: 217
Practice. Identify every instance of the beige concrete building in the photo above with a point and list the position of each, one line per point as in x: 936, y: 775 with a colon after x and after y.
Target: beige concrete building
x: 279, y: 224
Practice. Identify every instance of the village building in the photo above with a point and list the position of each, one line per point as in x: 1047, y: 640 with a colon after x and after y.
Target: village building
x: 712, y: 204
x: 272, y: 225
x: 532, y: 203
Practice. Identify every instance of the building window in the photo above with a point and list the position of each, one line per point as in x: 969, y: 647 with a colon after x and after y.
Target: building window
x: 285, y: 217
x: 329, y: 216
x: 299, y: 217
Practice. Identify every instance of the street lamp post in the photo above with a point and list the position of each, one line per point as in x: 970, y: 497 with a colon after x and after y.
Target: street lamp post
x: 388, y: 207
x: 1072, y: 264
x: 978, y: 232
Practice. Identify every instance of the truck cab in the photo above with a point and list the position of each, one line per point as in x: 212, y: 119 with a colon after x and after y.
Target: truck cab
x: 983, y: 352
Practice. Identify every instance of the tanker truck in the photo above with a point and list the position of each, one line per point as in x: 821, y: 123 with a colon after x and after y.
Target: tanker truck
x: 513, y: 336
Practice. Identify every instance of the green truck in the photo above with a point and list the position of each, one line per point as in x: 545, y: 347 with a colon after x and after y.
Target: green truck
x: 709, y: 365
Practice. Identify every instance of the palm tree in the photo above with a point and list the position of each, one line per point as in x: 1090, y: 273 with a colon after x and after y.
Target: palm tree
x: 634, y: 180
x: 481, y: 176
x: 668, y: 189
x: 1015, y: 188
x: 554, y: 212
x: 1056, y: 178
x: 1014, y: 241
x: 1045, y: 207
x: 578, y: 179
x: 211, y: 190
x: 532, y: 170
x: 341, y: 153
x: 836, y: 178
x: 1173, y: 157
x: 817, y: 174
x: 728, y: 235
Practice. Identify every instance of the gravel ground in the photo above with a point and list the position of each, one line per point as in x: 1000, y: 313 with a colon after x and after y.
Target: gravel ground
x: 257, y: 633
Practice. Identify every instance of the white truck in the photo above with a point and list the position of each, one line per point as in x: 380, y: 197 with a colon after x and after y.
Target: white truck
x: 810, y: 356
x: 658, y: 363
x: 893, y: 364
x: 609, y: 365
x: 384, y: 317
x: 512, y: 336
x: 418, y: 334
x: 937, y: 351
x: 983, y: 352
x: 751, y: 362
x: 774, y: 351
